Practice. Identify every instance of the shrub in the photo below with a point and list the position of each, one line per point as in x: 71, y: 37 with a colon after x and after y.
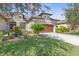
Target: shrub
x: 37, y: 28
x: 8, y: 34
x: 17, y: 30
x: 1, y: 33
x: 62, y: 29
x: 11, y: 34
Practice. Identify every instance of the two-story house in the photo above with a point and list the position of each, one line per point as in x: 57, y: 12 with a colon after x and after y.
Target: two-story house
x: 25, y: 23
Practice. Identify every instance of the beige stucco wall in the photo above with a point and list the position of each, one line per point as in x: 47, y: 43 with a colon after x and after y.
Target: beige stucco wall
x: 3, y: 25
x: 65, y: 25
x: 18, y: 20
x: 28, y: 26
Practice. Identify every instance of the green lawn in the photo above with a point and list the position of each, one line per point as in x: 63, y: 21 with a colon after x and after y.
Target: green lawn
x: 42, y: 46
x: 74, y: 33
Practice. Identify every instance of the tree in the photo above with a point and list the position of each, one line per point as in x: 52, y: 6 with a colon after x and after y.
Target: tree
x: 72, y: 15
x: 37, y: 28
x: 31, y: 9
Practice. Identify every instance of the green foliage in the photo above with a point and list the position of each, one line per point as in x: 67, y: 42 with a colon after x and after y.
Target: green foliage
x: 11, y: 34
x: 38, y: 46
x: 23, y: 8
x: 37, y: 27
x: 17, y: 30
x: 17, y: 34
x: 74, y: 33
x: 1, y: 33
x: 62, y: 29
x: 72, y: 15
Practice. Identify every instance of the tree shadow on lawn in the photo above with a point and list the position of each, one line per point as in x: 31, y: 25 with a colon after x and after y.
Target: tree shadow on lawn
x: 37, y: 46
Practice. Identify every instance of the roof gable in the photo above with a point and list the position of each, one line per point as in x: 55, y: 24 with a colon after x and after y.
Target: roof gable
x: 41, y: 20
x: 45, y: 14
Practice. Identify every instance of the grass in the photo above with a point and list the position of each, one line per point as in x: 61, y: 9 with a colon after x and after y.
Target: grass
x: 41, y: 46
x: 74, y: 33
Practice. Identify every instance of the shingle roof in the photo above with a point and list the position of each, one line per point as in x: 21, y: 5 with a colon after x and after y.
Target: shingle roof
x: 61, y: 22
x: 45, y: 14
x: 41, y: 20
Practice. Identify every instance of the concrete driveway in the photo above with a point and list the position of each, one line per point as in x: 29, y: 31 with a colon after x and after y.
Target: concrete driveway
x: 72, y: 39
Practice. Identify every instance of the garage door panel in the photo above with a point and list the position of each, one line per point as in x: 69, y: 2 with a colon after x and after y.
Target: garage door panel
x: 48, y: 28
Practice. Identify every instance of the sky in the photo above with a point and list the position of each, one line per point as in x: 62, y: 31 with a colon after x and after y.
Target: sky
x: 57, y: 9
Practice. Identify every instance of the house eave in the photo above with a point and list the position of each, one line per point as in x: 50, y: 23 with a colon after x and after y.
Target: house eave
x: 45, y: 14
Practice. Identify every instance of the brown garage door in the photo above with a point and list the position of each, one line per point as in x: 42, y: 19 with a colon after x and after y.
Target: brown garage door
x: 48, y: 28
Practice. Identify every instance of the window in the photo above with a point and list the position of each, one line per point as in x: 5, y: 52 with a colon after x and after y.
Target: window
x: 46, y: 17
x: 22, y: 25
